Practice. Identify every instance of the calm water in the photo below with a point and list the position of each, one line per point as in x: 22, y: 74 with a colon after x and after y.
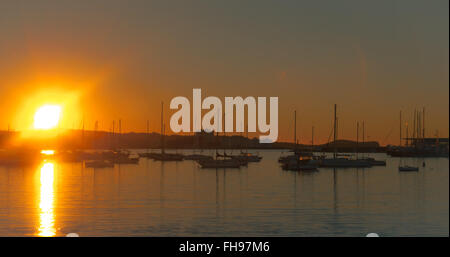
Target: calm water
x: 179, y: 199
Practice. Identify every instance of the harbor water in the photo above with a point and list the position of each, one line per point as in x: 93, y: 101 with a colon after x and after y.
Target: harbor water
x: 180, y: 199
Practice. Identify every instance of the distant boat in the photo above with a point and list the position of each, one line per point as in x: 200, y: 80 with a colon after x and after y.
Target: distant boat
x: 370, y: 160
x: 98, y: 164
x: 168, y: 157
x: 126, y: 160
x: 219, y: 163
x: 195, y: 157
x: 225, y: 156
x: 337, y: 162
x: 407, y: 168
x: 297, y: 154
x: 163, y: 156
x: 402, y: 167
x: 247, y: 157
x: 224, y: 162
x: 373, y: 162
x: 300, y: 164
x: 344, y: 163
x: 299, y: 160
x: 147, y: 155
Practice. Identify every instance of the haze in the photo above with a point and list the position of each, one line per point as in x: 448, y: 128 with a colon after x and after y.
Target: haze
x: 111, y: 60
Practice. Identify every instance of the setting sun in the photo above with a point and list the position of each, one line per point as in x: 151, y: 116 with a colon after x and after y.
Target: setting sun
x: 47, y: 117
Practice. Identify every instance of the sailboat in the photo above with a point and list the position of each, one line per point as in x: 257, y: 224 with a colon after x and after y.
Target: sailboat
x: 215, y: 163
x: 299, y: 161
x: 341, y: 162
x: 98, y: 164
x: 123, y: 156
x: 163, y: 156
x: 223, y: 162
x: 407, y: 168
x: 402, y: 167
x: 372, y: 161
x: 147, y: 154
x: 246, y: 157
x: 195, y: 156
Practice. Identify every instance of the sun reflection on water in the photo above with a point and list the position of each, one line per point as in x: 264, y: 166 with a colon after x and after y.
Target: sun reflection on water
x: 46, y: 215
x: 48, y: 152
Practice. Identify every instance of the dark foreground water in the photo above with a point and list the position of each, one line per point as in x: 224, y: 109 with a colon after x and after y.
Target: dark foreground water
x: 180, y: 199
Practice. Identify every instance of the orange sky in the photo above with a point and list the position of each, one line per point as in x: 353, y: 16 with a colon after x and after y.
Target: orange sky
x: 109, y: 61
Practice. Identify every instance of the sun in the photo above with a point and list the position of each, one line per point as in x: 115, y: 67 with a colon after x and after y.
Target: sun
x: 47, y: 117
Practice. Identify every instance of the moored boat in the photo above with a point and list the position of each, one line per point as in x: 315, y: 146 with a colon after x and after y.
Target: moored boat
x: 195, y: 157
x: 219, y: 163
x: 98, y: 164
x: 407, y: 168
x: 300, y: 164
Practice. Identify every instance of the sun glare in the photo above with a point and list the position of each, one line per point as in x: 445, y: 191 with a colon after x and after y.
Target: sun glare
x: 47, y: 117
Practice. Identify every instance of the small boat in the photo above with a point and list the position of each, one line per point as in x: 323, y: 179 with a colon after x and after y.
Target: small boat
x: 215, y: 163
x: 147, y: 155
x: 407, y: 168
x: 344, y: 163
x: 286, y: 159
x: 292, y: 162
x: 305, y: 164
x: 163, y: 156
x: 195, y: 157
x: 98, y: 164
x: 374, y: 162
x: 168, y: 157
x: 126, y: 160
x: 247, y: 157
x: 241, y: 161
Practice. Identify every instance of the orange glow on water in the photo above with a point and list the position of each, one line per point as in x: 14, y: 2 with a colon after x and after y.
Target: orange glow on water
x: 46, y: 201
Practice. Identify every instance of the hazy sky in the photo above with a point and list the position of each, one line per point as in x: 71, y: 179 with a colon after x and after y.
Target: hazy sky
x: 119, y: 59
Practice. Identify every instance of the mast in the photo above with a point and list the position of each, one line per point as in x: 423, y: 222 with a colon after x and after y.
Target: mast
x: 295, y: 129
x: 82, y: 135
x: 423, y: 123
x: 162, y: 128
x: 363, y: 134
x: 334, y: 131
x: 120, y: 133
x: 418, y: 126
x: 357, y: 138
x: 223, y: 132
x: 113, y: 139
x: 312, y: 139
x: 246, y: 139
x: 414, y: 125
x: 407, y: 134
x: 147, y: 132
x: 400, y: 129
